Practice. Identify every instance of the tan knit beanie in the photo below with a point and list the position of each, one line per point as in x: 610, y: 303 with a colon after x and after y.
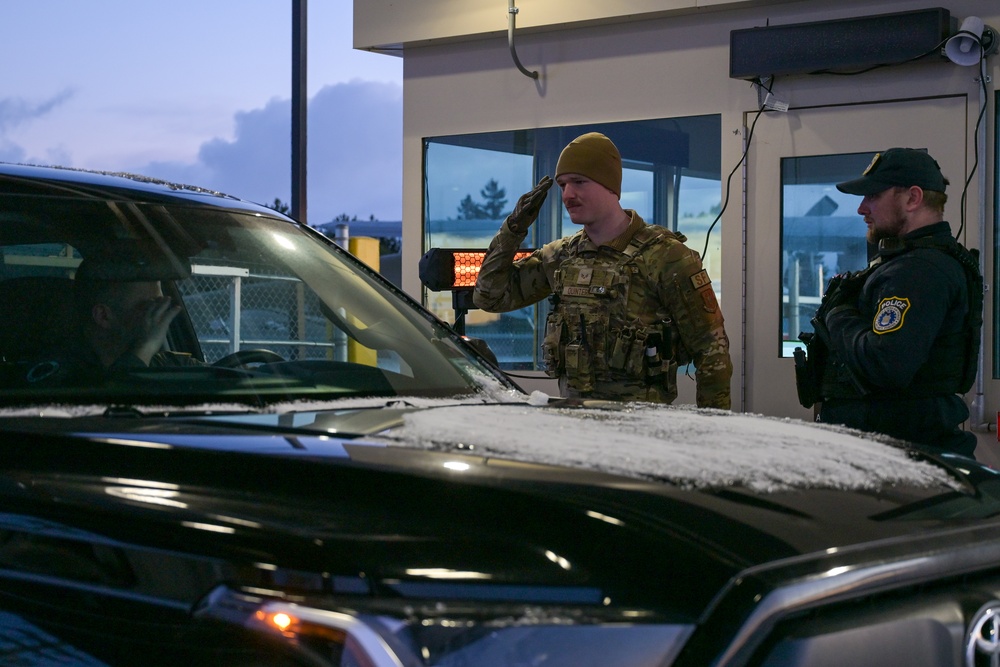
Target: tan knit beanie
x: 593, y: 155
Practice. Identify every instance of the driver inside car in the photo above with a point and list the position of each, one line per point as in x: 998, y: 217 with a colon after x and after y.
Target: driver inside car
x: 121, y: 323
x: 124, y: 324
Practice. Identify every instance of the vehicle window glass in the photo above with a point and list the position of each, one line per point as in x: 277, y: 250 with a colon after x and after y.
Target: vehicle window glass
x: 269, y: 310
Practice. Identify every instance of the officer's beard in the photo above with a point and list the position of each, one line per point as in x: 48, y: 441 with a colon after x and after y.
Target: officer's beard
x: 889, y: 229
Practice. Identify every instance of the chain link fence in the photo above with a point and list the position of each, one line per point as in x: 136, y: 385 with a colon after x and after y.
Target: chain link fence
x: 232, y: 309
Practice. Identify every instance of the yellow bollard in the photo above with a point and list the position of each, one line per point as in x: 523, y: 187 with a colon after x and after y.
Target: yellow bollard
x: 366, y: 249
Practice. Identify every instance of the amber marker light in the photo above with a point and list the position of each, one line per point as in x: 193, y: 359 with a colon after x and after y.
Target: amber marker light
x: 281, y: 621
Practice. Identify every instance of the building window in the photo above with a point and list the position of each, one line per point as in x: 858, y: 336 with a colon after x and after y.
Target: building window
x: 821, y: 235
x: 671, y: 177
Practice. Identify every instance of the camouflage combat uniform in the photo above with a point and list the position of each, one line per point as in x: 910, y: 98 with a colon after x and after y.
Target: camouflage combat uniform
x: 624, y: 315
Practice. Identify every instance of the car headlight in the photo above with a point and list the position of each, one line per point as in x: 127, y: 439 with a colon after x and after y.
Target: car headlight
x: 444, y: 634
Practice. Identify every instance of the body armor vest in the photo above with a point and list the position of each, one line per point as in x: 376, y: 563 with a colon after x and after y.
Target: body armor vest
x: 592, y: 337
x: 952, y: 365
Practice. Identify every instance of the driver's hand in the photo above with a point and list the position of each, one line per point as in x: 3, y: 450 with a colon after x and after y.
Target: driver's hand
x: 526, y: 210
x: 151, y: 326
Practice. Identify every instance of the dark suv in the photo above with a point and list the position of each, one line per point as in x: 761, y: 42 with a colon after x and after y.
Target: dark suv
x: 334, y: 477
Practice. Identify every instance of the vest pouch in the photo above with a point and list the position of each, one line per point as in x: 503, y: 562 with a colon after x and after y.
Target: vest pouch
x: 635, y: 367
x: 579, y: 366
x: 653, y: 362
x: 654, y: 365
x: 552, y: 350
x: 622, y: 345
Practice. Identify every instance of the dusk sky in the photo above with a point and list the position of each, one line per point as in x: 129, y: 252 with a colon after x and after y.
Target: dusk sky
x: 200, y: 92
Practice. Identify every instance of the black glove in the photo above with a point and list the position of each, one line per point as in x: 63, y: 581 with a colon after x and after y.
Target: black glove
x: 526, y: 210
x: 823, y: 341
x: 844, y: 289
x: 848, y: 308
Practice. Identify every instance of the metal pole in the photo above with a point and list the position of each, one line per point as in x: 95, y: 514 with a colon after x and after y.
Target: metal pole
x: 300, y: 103
x: 342, y: 236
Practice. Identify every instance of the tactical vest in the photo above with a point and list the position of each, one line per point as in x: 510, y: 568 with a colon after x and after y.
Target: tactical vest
x: 591, y: 336
x: 952, y: 365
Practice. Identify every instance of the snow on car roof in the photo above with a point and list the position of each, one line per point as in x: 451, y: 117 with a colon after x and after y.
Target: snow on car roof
x: 137, y: 178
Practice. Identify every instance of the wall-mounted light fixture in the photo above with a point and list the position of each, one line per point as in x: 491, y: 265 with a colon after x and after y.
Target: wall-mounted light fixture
x: 973, y: 42
x: 511, y: 13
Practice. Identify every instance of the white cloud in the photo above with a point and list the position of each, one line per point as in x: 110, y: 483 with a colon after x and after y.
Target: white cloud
x: 354, y: 154
x: 16, y: 111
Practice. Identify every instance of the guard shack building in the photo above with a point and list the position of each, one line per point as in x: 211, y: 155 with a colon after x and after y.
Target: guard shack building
x: 735, y: 118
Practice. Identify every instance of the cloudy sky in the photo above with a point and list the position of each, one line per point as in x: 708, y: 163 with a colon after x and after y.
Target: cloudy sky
x: 200, y: 92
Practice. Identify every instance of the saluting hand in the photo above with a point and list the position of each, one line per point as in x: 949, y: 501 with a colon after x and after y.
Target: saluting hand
x: 526, y: 210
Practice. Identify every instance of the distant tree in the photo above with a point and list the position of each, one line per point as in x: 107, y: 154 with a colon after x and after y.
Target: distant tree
x: 280, y: 206
x: 470, y: 210
x: 343, y: 217
x: 494, y: 199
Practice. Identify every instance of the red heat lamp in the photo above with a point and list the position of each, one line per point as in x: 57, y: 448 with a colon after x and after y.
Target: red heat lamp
x: 456, y: 270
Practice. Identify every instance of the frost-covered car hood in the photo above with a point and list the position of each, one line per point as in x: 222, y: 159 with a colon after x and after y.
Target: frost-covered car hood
x: 685, y: 447
x: 679, y: 445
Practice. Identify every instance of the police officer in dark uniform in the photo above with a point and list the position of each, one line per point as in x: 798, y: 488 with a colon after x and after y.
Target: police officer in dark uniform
x: 901, y: 337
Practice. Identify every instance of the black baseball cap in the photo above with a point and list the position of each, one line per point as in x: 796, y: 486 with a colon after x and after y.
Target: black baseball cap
x: 897, y: 166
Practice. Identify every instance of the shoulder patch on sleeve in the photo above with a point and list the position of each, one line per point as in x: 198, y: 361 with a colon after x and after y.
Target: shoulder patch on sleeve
x: 701, y: 279
x: 891, y: 312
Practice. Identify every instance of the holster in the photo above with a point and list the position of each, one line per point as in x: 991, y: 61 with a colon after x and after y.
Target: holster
x: 808, y: 369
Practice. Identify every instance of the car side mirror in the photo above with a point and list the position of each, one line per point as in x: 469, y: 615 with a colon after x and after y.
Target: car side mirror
x: 480, y: 346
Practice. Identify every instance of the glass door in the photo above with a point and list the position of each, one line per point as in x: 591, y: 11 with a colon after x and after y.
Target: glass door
x: 801, y: 230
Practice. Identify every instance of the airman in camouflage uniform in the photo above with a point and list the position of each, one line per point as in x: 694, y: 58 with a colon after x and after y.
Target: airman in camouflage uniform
x: 631, y: 302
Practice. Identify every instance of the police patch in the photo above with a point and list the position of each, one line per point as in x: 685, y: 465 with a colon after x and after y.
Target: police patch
x: 891, y: 312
